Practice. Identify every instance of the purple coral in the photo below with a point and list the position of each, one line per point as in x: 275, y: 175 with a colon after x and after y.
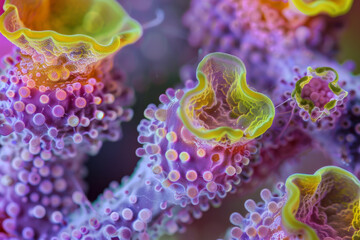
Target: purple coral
x: 179, y: 173
x: 45, y: 133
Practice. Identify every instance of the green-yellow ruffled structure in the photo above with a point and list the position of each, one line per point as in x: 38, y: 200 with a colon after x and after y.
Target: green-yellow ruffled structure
x: 222, y: 106
x: 67, y: 37
x: 332, y: 8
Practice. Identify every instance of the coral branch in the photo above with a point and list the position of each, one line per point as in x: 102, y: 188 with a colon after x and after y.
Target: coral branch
x: 60, y: 98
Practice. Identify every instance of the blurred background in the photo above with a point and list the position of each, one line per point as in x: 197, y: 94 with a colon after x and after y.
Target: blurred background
x: 151, y: 66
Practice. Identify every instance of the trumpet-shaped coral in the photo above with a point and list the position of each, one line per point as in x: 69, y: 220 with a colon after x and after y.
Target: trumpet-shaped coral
x: 178, y: 169
x: 222, y: 106
x: 60, y: 98
x: 320, y: 206
x: 181, y: 175
x: 333, y: 8
x: 318, y: 92
x: 68, y: 37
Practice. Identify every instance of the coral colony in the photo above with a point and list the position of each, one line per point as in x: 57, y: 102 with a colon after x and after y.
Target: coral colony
x: 266, y: 88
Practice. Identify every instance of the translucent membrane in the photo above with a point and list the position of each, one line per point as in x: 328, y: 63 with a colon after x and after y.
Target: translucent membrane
x: 333, y: 8
x: 222, y: 106
x: 323, y: 205
x: 74, y: 33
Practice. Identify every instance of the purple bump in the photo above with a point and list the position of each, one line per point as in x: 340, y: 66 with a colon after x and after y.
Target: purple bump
x: 46, y: 187
x: 5, y: 129
x: 30, y: 108
x: 145, y: 215
x: 39, y: 211
x: 58, y: 111
x: 19, y: 126
x: 39, y: 119
x: 34, y: 178
x: 125, y: 233
x: 12, y: 209
x: 28, y: 233
x: 53, y: 132
x: 110, y: 229
x: 127, y: 214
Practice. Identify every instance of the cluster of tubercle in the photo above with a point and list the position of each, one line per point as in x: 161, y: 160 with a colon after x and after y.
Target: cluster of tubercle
x: 60, y: 98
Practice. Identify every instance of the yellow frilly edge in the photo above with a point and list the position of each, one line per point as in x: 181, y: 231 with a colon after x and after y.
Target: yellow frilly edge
x: 333, y: 8
x: 291, y: 224
x: 78, y: 28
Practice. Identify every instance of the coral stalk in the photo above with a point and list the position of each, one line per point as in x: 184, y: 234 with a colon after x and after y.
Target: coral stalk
x: 60, y: 99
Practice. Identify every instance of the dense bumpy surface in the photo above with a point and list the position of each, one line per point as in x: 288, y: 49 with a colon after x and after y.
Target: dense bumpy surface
x: 49, y: 120
x: 263, y: 220
x: 36, y: 190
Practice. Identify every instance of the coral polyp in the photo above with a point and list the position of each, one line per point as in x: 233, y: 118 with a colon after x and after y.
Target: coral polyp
x: 318, y: 92
x: 222, y: 106
x: 333, y: 8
